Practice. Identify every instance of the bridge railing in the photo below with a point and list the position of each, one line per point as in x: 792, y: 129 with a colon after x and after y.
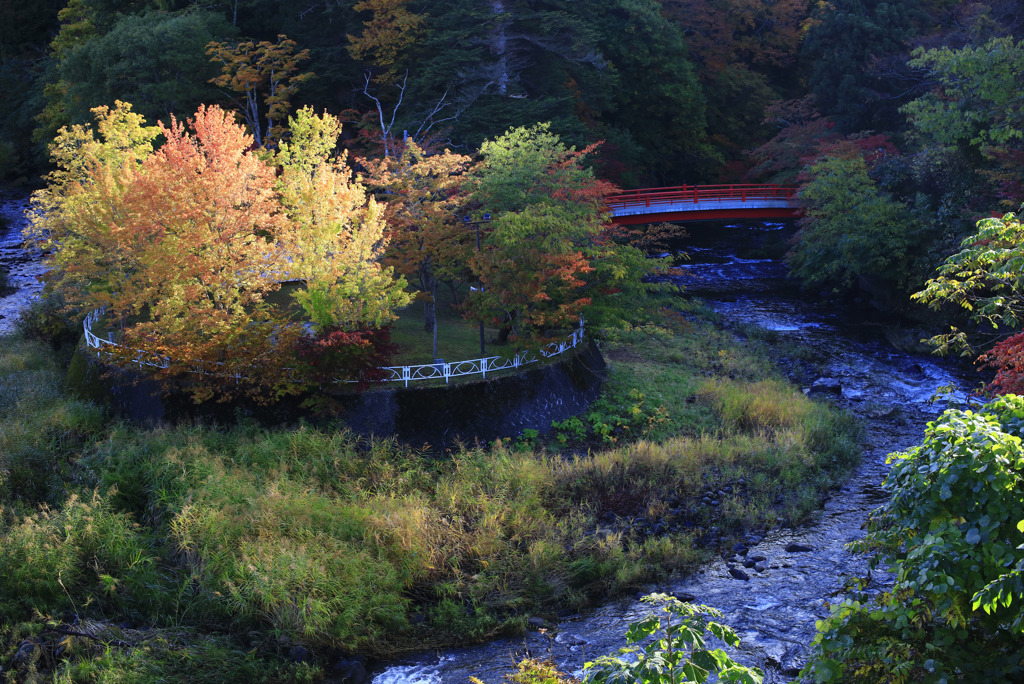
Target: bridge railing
x: 404, y: 374
x: 695, y: 194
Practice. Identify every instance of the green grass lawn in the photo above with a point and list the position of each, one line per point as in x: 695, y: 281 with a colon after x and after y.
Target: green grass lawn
x: 458, y: 339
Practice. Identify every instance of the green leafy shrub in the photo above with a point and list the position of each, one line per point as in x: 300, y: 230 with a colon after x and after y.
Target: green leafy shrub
x: 533, y: 671
x: 951, y: 532
x: 675, y: 649
x: 47, y: 320
x: 614, y: 415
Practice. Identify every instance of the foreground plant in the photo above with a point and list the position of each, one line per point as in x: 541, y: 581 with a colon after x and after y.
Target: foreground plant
x: 985, y: 279
x: 952, y: 533
x: 676, y: 649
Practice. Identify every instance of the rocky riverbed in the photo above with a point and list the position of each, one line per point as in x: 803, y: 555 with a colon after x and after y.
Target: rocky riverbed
x: 24, y: 266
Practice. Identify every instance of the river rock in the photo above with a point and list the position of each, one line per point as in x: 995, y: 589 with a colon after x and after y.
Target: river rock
x: 882, y: 412
x: 24, y: 654
x: 536, y: 623
x: 760, y: 566
x: 350, y: 671
x: 798, y: 548
x: 739, y: 574
x: 827, y: 386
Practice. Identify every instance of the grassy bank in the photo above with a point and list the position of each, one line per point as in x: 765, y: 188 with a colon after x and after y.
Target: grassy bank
x: 228, y: 553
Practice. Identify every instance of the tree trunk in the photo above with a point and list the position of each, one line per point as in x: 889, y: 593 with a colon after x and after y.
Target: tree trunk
x: 455, y: 293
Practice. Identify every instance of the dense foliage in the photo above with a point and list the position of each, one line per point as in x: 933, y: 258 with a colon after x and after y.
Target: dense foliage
x: 181, y: 245
x: 953, y: 532
x: 851, y: 231
x: 985, y: 280
x: 548, y: 255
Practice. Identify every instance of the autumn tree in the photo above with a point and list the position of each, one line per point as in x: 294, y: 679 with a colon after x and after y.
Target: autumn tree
x: 182, y: 245
x: 428, y: 241
x: 336, y: 237
x: 744, y: 53
x: 263, y: 77
x: 387, y: 37
x: 548, y: 256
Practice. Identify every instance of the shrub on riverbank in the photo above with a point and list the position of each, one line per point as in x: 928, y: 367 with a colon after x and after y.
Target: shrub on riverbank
x: 309, y: 537
x: 953, y: 532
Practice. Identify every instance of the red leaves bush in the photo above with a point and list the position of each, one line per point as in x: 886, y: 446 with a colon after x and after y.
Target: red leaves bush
x: 1007, y: 358
x: 333, y: 354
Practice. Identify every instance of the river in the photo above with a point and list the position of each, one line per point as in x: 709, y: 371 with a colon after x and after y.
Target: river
x: 24, y: 266
x: 737, y: 270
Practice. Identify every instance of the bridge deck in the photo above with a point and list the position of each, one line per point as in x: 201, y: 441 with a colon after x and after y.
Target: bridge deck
x: 703, y: 202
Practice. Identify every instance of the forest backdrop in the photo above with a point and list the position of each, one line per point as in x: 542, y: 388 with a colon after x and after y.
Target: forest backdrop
x: 908, y: 111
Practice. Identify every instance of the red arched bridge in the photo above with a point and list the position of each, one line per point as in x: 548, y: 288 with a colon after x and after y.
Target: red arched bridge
x: 703, y: 203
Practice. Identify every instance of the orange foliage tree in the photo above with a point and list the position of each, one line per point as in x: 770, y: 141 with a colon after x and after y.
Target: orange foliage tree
x: 182, y: 244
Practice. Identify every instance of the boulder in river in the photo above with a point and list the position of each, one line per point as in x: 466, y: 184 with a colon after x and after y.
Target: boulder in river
x: 739, y: 574
x: 827, y: 386
x: 350, y: 671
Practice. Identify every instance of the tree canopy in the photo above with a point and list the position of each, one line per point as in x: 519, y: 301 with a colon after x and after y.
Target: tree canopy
x: 181, y: 244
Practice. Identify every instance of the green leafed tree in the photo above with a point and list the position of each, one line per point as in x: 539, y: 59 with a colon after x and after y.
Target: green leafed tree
x: 135, y: 52
x: 337, y: 241
x: 844, y: 40
x: 976, y: 108
x: 154, y: 60
x: 655, y: 94
x: 852, y: 233
x: 549, y: 254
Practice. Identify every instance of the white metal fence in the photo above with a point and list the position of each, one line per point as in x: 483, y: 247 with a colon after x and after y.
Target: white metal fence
x: 404, y: 374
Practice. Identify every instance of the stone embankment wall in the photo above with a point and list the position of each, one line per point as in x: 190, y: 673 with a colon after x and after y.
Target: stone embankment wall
x: 438, y: 416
